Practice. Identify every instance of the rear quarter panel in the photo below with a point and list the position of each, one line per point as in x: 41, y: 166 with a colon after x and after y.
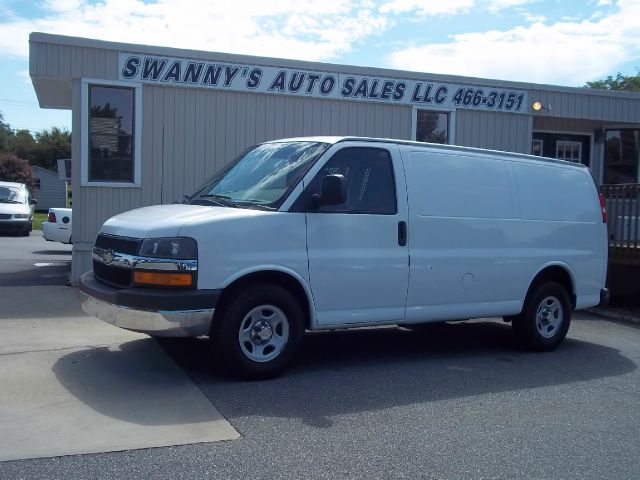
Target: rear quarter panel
x: 562, y: 222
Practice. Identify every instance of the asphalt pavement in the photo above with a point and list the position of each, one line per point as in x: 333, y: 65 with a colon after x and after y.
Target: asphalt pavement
x: 32, y: 260
x: 455, y: 402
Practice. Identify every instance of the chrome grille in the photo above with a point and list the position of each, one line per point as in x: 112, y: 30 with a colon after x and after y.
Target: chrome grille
x: 115, y: 275
x: 126, y: 245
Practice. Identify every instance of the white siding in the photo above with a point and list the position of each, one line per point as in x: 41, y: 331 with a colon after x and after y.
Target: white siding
x: 496, y: 131
x: 52, y: 192
x: 587, y: 104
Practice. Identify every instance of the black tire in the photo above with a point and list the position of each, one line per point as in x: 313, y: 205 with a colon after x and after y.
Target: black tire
x: 254, y: 342
x: 545, y: 318
x: 27, y: 231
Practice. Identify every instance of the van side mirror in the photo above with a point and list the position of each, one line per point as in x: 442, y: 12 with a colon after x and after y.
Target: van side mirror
x: 33, y: 201
x: 333, y: 191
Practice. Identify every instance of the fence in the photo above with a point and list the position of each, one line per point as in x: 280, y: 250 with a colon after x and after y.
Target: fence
x: 623, y: 224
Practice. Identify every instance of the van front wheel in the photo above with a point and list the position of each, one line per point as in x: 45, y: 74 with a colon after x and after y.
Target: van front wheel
x: 258, y: 331
x: 544, y: 321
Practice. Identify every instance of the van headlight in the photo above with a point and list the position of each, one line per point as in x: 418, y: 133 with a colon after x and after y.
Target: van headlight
x: 20, y: 216
x: 179, y: 248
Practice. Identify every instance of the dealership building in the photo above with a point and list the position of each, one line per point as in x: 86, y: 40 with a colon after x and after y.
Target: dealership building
x: 149, y: 124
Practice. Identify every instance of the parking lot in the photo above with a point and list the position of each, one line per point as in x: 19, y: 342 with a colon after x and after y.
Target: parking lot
x: 457, y: 401
x: 26, y: 261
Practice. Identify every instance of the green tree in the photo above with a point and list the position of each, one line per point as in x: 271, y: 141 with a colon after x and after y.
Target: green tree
x: 630, y: 83
x: 14, y: 169
x: 43, y: 148
x: 5, y: 134
x: 52, y: 145
x: 23, y: 145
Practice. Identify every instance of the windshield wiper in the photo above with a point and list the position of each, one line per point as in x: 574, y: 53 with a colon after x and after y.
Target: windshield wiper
x: 6, y: 200
x: 259, y: 204
x: 220, y: 200
x: 226, y: 201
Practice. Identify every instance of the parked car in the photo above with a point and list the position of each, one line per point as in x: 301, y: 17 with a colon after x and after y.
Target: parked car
x: 57, y: 228
x: 328, y: 233
x: 16, y: 208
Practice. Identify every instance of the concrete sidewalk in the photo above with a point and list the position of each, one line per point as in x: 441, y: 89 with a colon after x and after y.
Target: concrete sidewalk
x: 72, y: 384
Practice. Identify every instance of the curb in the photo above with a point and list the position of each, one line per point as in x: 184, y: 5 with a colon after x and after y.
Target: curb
x: 618, y: 314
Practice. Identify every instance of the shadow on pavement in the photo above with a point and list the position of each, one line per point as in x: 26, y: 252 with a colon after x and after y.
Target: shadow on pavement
x: 53, y: 252
x: 10, y: 234
x: 135, y: 382
x: 56, y: 274
x: 373, y: 369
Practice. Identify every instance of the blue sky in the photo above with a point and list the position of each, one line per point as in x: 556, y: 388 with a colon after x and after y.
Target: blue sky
x: 541, y: 41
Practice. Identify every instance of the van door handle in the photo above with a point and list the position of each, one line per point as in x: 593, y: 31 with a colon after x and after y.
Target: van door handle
x: 402, y: 233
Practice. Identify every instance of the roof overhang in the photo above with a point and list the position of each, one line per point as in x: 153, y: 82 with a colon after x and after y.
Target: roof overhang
x: 52, y: 92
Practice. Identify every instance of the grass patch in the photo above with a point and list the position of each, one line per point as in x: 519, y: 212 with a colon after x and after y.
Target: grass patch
x: 38, y: 219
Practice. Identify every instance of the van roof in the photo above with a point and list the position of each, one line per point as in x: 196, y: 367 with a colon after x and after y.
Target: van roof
x: 449, y: 148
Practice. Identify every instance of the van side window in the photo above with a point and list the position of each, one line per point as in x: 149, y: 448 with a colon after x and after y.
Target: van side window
x: 371, y: 186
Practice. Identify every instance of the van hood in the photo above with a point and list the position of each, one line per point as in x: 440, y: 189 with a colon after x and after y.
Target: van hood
x: 163, y: 220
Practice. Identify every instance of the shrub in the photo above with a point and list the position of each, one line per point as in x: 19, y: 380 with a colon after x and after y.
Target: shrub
x: 14, y: 169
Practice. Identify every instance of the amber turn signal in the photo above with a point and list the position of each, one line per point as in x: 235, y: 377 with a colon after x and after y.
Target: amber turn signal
x: 164, y: 279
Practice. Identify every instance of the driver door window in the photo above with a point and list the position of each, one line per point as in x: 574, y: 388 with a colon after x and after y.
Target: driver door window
x: 370, y: 181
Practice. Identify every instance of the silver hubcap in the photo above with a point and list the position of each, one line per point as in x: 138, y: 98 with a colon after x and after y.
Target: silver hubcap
x: 549, y: 317
x: 264, y: 333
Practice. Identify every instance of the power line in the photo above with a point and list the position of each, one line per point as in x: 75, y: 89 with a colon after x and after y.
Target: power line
x: 19, y: 102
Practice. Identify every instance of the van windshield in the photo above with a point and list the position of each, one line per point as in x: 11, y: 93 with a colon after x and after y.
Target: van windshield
x: 262, y: 177
x: 11, y: 195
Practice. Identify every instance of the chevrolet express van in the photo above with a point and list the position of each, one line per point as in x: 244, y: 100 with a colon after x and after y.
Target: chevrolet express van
x: 329, y: 233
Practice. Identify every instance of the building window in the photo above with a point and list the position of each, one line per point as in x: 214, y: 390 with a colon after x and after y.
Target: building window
x: 537, y: 147
x: 573, y: 147
x: 432, y: 127
x: 110, y: 134
x: 570, y: 151
x: 622, y: 156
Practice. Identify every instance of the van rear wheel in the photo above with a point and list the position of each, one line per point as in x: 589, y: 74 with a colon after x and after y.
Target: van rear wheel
x: 258, y: 331
x: 545, y: 318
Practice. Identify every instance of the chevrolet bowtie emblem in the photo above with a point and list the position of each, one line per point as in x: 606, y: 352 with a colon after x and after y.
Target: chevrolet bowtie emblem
x: 107, y: 256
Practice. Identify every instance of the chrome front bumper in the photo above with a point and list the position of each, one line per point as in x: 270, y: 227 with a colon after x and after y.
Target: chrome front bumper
x: 168, y: 323
x: 122, y: 308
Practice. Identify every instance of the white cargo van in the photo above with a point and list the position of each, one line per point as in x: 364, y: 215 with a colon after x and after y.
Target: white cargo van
x: 327, y: 233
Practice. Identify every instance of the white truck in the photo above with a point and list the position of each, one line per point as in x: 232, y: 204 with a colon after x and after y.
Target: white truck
x: 329, y: 233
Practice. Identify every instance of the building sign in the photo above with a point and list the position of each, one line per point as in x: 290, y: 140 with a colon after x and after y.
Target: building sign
x: 239, y: 77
